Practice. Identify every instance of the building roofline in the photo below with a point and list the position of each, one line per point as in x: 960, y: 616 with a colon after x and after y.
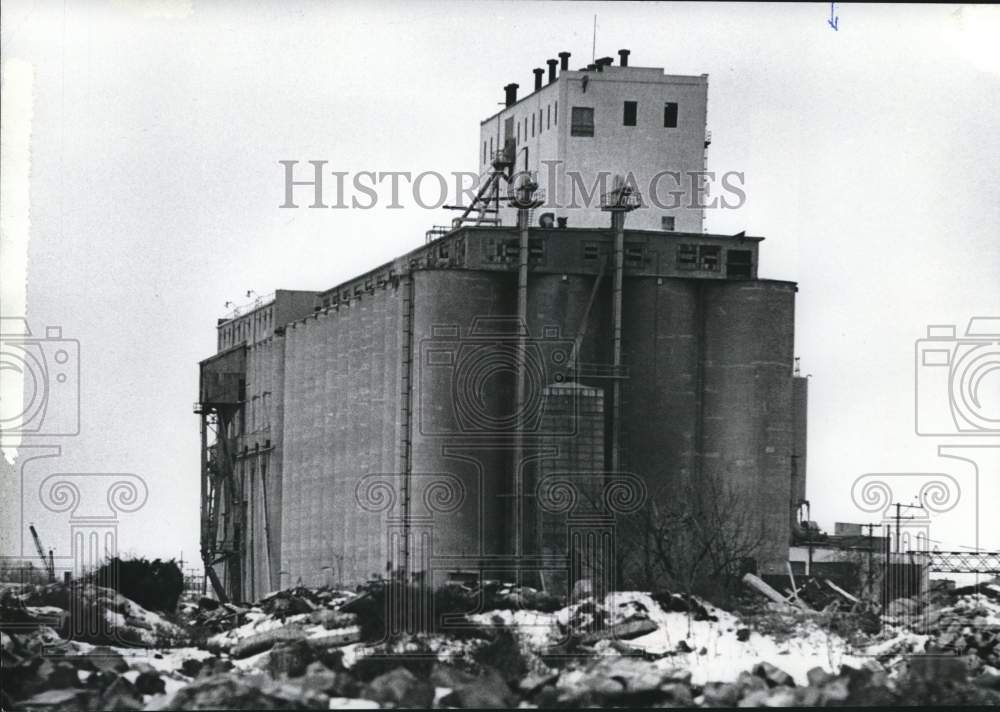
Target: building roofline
x: 400, y: 262
x: 605, y: 75
x: 523, y: 98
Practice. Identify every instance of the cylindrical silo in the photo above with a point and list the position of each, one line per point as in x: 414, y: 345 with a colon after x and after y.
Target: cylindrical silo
x: 661, y: 414
x: 462, y: 407
x: 747, y: 440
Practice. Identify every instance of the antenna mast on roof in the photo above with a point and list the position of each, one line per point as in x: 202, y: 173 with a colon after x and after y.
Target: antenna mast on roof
x: 593, y: 47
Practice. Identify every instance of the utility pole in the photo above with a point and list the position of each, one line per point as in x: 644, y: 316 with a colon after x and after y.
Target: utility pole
x: 871, y: 546
x: 898, y: 517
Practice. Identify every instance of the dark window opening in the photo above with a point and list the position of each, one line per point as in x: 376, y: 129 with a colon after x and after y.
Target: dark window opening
x: 484, y: 152
x: 634, y: 255
x: 667, y: 223
x: 548, y: 116
x: 556, y: 112
x: 591, y: 252
x: 582, y: 123
x: 631, y: 109
x: 670, y: 115
x: 687, y: 257
x: 708, y: 257
x: 519, y: 132
x: 532, y: 124
x: 739, y: 263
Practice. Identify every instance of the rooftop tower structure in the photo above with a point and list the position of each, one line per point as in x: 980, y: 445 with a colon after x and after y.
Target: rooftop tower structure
x: 578, y: 129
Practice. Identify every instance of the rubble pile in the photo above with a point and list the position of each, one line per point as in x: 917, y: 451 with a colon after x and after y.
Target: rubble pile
x: 506, y: 646
x: 297, y: 614
x: 963, y: 622
x: 88, y: 613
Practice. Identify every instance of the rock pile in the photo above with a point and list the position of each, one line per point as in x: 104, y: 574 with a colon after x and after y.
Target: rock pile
x: 962, y: 622
x: 300, y: 649
x: 87, y: 613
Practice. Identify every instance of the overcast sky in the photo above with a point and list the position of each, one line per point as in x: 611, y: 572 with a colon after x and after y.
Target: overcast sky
x: 870, y: 157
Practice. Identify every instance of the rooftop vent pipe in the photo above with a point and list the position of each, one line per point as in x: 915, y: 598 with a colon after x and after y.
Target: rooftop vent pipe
x: 552, y: 69
x: 564, y: 61
x: 511, y: 90
x: 590, y: 68
x: 623, y: 57
x: 605, y: 62
x: 539, y: 73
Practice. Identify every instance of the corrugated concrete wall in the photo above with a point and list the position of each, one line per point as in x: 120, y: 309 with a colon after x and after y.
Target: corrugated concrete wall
x: 341, y: 399
x: 257, y: 463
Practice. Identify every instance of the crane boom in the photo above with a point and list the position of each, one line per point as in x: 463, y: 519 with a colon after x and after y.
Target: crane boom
x: 49, y: 565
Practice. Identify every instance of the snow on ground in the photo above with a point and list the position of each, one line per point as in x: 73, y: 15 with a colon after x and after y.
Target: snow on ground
x: 725, y: 655
x: 536, y: 629
x: 252, y: 662
x: 169, y: 658
x: 258, y: 622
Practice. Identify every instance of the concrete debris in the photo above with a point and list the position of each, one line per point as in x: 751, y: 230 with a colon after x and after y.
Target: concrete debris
x: 84, y: 612
x: 300, y: 649
x: 400, y: 688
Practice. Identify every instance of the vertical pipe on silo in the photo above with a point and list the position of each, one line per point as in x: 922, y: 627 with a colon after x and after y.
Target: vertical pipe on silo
x: 618, y: 222
x: 523, y: 217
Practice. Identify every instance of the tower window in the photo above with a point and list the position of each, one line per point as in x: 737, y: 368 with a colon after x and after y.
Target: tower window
x: 582, y: 121
x: 698, y: 257
x: 631, y: 108
x: 532, y: 124
x: 670, y: 115
x: 739, y: 263
x: 667, y: 223
x: 548, y: 116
